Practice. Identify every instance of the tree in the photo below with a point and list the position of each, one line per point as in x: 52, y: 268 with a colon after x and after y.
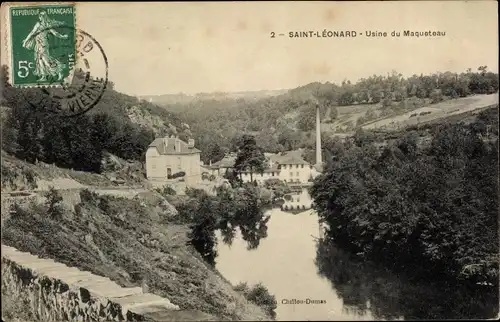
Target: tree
x: 250, y: 157
x: 363, y: 96
x: 346, y: 98
x: 387, y: 103
x: 53, y: 202
x: 212, y: 152
x: 376, y: 96
x: 436, y: 96
x: 431, y: 207
x: 307, y: 117
x: 482, y: 69
x: 334, y: 113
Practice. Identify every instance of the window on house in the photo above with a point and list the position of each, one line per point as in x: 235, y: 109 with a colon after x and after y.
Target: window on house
x: 291, y: 174
x: 272, y: 174
x: 302, y: 166
x: 297, y: 174
x: 297, y: 166
x: 298, y: 199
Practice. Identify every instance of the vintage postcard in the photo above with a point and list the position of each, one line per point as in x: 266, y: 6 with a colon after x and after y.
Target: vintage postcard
x: 226, y: 161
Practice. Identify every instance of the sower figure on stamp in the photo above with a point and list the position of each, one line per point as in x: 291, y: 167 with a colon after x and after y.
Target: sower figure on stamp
x: 37, y: 40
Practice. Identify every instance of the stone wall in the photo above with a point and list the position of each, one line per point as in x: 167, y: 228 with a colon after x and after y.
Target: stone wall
x: 56, y: 292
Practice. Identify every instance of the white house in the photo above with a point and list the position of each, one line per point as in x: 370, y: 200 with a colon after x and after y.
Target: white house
x: 288, y: 167
x: 167, y: 156
x: 293, y: 168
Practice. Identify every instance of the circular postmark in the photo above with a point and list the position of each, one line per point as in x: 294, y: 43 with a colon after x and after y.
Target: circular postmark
x: 77, y: 74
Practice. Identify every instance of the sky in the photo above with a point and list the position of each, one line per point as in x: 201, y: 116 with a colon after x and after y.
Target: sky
x: 164, y: 48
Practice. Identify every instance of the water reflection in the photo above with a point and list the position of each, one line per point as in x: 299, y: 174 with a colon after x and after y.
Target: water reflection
x: 297, y: 201
x: 366, y: 287
x: 295, y: 265
x: 284, y: 263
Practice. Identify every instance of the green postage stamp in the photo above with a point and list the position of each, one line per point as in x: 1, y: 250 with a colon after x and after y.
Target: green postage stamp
x: 42, y: 44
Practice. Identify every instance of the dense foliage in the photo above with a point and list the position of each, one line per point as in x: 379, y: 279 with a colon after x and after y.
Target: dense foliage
x: 432, y: 207
x: 284, y: 122
x: 76, y: 142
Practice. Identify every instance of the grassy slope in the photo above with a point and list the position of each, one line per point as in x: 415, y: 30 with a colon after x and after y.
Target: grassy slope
x: 438, y: 111
x: 134, y: 246
x: 130, y: 241
x: 17, y: 174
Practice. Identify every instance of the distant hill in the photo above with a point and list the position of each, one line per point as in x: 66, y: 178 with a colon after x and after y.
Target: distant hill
x: 286, y: 119
x: 218, y: 96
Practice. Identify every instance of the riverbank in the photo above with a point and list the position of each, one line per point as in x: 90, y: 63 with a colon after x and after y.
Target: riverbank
x: 133, y: 243
x: 426, y: 202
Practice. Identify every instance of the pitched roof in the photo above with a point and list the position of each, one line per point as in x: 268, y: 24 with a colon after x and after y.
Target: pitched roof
x: 227, y: 162
x: 168, y: 146
x: 288, y: 158
x: 292, y: 157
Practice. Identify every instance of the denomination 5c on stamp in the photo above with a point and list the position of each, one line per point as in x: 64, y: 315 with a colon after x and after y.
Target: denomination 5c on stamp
x: 43, y: 44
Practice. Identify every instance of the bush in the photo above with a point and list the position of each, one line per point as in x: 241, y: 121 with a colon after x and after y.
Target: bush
x: 436, y: 96
x: 177, y: 175
x: 53, y: 202
x: 166, y: 191
x: 260, y: 296
x: 87, y: 196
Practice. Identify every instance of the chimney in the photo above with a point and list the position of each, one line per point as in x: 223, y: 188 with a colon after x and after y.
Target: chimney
x: 165, y: 142
x: 177, y: 144
x: 319, y: 160
x: 190, y: 143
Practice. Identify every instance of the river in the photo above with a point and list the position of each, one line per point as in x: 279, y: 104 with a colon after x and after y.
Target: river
x: 285, y: 262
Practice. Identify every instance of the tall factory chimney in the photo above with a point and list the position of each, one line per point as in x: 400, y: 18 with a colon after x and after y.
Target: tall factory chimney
x: 319, y: 159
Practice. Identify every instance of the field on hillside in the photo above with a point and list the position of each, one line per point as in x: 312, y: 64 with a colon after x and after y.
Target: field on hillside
x: 435, y: 111
x: 351, y: 114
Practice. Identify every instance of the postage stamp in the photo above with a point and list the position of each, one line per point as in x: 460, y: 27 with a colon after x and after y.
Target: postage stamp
x: 83, y: 88
x: 65, y: 68
x: 43, y: 44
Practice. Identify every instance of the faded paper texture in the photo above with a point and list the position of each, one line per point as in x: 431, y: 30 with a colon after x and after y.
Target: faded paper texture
x: 250, y: 160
